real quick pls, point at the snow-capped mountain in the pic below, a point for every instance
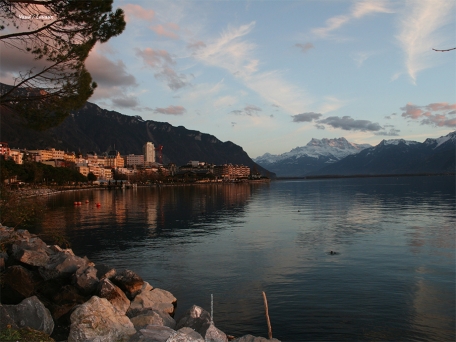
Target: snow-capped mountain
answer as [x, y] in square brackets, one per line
[316, 154]
[399, 156]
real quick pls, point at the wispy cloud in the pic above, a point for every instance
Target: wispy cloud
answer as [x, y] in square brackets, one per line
[420, 32]
[137, 11]
[171, 110]
[304, 47]
[434, 114]
[163, 63]
[233, 52]
[358, 10]
[249, 110]
[168, 30]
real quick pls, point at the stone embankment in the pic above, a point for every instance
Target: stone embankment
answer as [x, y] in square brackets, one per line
[50, 289]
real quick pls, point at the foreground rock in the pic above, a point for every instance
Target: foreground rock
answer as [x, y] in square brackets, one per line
[98, 320]
[31, 313]
[52, 290]
[250, 338]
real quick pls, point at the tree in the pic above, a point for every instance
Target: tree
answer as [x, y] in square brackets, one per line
[91, 177]
[59, 34]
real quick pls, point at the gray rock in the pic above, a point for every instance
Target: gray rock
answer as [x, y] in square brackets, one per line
[97, 320]
[250, 338]
[215, 335]
[156, 333]
[151, 317]
[129, 282]
[20, 280]
[33, 258]
[61, 264]
[31, 313]
[114, 295]
[86, 279]
[105, 271]
[6, 320]
[186, 335]
[156, 299]
[196, 318]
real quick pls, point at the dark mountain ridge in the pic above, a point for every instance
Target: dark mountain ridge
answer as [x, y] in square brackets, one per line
[92, 128]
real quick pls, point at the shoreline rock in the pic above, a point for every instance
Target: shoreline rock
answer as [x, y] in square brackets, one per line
[50, 289]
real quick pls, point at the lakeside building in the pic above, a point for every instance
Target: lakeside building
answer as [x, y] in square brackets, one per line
[134, 160]
[49, 154]
[230, 171]
[16, 155]
[114, 160]
[4, 149]
[149, 153]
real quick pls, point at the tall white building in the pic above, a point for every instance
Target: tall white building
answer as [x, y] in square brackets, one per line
[149, 153]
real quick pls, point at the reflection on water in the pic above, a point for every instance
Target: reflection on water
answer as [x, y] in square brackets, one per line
[392, 278]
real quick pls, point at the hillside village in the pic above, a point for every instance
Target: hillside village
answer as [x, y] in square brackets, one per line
[112, 165]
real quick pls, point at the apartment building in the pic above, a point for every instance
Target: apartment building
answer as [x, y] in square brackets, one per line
[134, 160]
[229, 171]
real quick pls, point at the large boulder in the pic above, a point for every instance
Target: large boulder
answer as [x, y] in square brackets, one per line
[114, 295]
[156, 333]
[152, 317]
[62, 263]
[86, 279]
[250, 338]
[97, 320]
[215, 335]
[129, 282]
[196, 318]
[31, 313]
[155, 299]
[105, 271]
[186, 335]
[18, 284]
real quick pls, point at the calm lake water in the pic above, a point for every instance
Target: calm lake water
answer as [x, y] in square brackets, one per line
[393, 277]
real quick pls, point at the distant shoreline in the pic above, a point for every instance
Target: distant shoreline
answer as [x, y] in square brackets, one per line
[367, 176]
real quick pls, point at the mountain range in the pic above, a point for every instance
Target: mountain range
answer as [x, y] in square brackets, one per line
[338, 157]
[303, 160]
[92, 128]
[399, 156]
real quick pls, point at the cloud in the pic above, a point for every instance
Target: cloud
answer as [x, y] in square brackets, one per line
[391, 133]
[196, 45]
[138, 12]
[171, 110]
[161, 61]
[249, 110]
[125, 102]
[349, 124]
[167, 30]
[305, 47]
[306, 117]
[113, 79]
[358, 10]
[317, 126]
[434, 114]
[420, 31]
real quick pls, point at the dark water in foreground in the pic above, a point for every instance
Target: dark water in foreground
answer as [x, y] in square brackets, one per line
[393, 277]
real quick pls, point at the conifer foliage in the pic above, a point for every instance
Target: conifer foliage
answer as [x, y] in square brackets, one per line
[59, 34]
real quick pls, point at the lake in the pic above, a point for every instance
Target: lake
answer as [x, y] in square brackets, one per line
[392, 277]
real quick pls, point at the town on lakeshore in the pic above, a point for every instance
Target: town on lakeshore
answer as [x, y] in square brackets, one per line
[111, 167]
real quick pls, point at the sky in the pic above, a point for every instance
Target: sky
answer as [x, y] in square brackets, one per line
[271, 75]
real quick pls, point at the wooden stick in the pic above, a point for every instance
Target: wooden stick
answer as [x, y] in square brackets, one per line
[267, 316]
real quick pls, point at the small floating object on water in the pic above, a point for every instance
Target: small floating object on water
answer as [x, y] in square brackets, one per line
[75, 203]
[98, 205]
[333, 253]
[87, 201]
[79, 203]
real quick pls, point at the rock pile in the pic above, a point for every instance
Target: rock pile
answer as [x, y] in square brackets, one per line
[50, 289]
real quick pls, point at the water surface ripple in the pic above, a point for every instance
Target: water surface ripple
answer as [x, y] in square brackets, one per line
[393, 277]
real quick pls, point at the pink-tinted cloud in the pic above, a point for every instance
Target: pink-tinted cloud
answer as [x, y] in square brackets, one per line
[138, 12]
[166, 30]
[171, 110]
[162, 62]
[434, 114]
